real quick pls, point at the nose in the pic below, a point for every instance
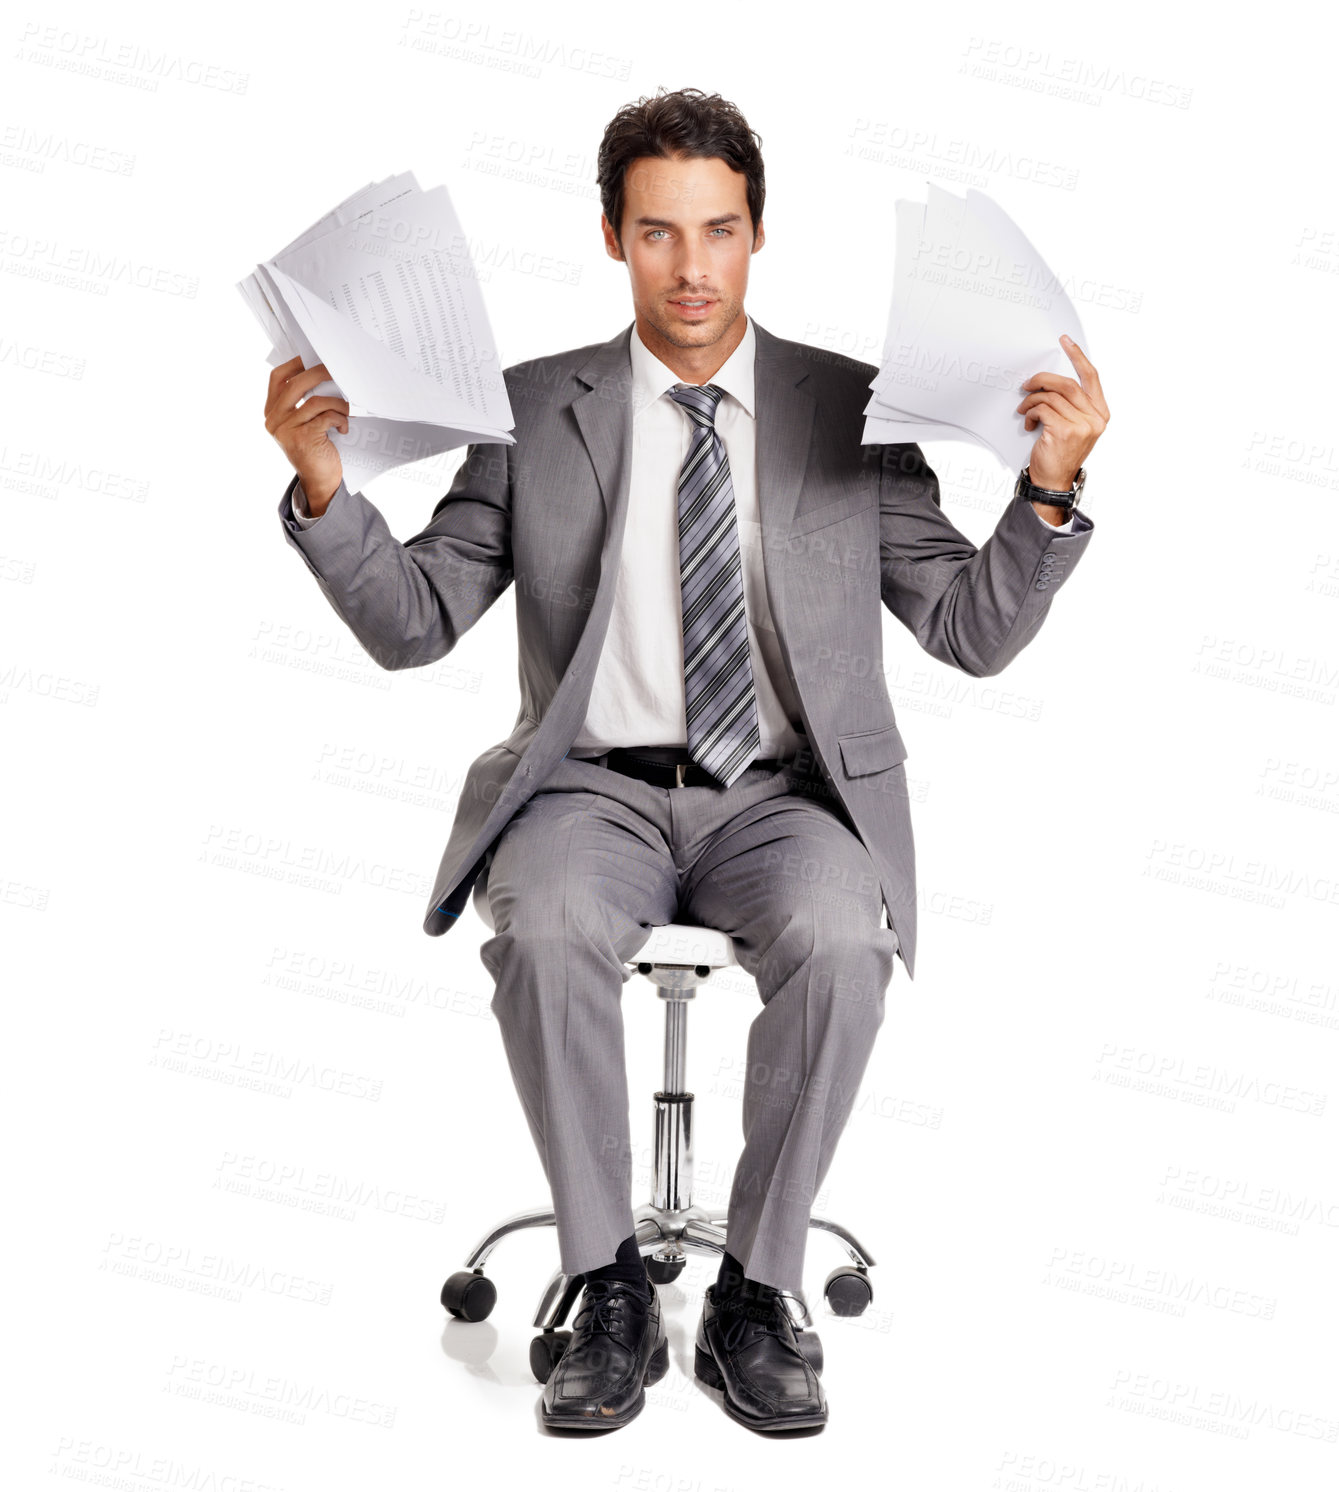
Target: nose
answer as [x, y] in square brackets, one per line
[690, 267]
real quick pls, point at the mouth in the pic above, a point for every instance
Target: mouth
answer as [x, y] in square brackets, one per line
[693, 308]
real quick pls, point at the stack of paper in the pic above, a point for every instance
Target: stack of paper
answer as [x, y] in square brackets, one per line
[975, 313]
[383, 292]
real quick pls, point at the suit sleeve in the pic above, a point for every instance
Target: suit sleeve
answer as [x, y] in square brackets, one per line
[409, 603]
[1067, 527]
[974, 609]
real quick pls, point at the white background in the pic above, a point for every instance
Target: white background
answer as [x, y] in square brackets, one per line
[1094, 1155]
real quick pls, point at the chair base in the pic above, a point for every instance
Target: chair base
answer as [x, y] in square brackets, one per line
[666, 1238]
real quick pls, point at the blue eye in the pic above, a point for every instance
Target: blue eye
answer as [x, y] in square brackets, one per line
[654, 231]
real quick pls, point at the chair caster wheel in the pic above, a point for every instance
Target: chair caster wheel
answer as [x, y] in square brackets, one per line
[812, 1347]
[664, 1271]
[848, 1290]
[469, 1296]
[545, 1351]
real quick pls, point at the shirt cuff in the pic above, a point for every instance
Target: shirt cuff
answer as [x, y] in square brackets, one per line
[302, 513]
[1067, 527]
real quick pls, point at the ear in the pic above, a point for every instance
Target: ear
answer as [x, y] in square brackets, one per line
[610, 242]
[759, 238]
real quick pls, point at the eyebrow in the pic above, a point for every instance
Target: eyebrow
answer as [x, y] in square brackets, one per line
[725, 217]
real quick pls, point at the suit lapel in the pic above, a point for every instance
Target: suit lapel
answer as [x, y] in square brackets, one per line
[785, 420]
[604, 417]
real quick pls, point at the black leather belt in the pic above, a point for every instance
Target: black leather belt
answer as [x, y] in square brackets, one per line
[664, 767]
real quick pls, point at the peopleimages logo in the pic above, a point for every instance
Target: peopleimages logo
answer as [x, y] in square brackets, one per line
[312, 1190]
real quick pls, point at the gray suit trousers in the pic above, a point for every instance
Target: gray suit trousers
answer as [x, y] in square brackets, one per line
[590, 863]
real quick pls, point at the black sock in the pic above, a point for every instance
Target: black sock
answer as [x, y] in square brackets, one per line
[730, 1280]
[734, 1290]
[627, 1266]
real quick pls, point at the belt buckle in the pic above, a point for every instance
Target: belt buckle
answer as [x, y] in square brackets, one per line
[679, 768]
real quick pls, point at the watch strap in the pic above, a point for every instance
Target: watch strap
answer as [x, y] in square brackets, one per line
[1025, 486]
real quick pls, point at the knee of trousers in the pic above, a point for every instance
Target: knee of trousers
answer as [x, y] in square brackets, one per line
[848, 965]
[539, 948]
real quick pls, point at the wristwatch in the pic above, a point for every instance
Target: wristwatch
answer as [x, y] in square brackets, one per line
[1025, 487]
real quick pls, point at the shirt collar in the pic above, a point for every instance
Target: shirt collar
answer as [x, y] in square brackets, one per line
[651, 378]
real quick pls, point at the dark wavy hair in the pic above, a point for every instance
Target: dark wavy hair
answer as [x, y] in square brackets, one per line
[687, 122]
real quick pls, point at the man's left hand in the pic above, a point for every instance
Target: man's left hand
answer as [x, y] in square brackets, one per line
[1071, 415]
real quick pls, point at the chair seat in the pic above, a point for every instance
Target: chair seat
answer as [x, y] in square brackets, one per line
[673, 943]
[683, 943]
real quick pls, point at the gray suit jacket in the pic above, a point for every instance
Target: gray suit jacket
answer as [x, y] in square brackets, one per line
[844, 526]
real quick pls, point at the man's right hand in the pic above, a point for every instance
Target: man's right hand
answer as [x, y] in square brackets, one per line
[301, 431]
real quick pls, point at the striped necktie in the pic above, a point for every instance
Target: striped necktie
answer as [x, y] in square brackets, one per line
[722, 716]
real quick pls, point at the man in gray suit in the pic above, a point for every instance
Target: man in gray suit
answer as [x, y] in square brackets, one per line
[700, 545]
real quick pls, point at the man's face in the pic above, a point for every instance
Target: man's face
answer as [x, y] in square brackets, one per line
[687, 238]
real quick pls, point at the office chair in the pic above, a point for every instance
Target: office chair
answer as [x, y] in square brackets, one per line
[677, 959]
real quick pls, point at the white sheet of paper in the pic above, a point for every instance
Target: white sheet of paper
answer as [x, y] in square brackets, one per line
[374, 446]
[382, 291]
[374, 194]
[402, 276]
[926, 238]
[262, 296]
[956, 357]
[901, 432]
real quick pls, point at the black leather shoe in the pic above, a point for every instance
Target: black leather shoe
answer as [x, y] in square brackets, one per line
[618, 1346]
[756, 1360]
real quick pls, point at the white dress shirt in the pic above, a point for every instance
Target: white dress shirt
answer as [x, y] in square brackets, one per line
[637, 695]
